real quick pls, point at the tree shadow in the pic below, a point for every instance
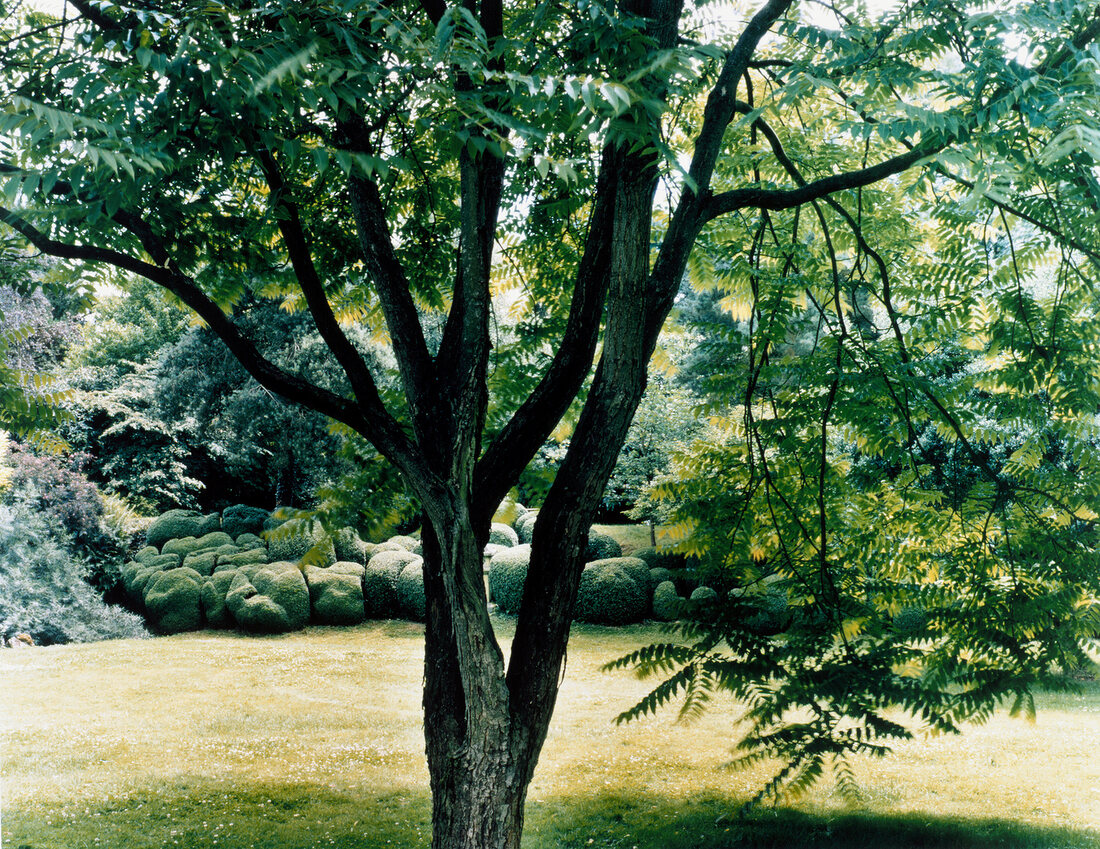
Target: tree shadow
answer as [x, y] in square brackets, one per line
[199, 813]
[617, 821]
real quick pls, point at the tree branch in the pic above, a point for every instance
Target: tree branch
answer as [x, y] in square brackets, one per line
[301, 260]
[776, 199]
[398, 308]
[266, 372]
[534, 421]
[689, 217]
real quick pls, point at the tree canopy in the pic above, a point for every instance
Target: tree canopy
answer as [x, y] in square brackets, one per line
[419, 169]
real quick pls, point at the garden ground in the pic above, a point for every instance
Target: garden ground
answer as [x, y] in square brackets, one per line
[313, 739]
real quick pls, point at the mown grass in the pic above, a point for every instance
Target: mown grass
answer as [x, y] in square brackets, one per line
[313, 739]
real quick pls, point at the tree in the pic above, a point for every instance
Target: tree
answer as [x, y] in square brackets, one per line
[367, 162]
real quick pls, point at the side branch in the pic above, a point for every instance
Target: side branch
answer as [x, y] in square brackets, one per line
[301, 260]
[777, 199]
[395, 295]
[383, 432]
[266, 372]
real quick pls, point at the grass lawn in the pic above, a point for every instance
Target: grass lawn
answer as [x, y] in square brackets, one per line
[313, 739]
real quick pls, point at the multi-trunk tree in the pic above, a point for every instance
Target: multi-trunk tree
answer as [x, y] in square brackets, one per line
[419, 166]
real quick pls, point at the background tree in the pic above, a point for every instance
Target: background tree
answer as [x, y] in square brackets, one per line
[364, 160]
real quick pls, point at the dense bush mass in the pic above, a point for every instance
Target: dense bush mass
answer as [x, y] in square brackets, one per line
[43, 591]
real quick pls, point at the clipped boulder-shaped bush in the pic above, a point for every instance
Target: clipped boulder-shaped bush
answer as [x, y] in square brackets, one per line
[335, 597]
[277, 517]
[658, 575]
[174, 524]
[202, 562]
[601, 547]
[411, 602]
[249, 541]
[380, 582]
[609, 595]
[292, 547]
[233, 559]
[213, 593]
[148, 553]
[173, 601]
[772, 614]
[703, 595]
[507, 575]
[190, 545]
[163, 561]
[346, 567]
[503, 535]
[135, 576]
[634, 567]
[350, 548]
[667, 603]
[242, 519]
[274, 599]
[525, 526]
[407, 542]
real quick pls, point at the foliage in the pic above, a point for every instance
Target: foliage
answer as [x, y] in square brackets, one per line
[43, 587]
[362, 165]
[32, 342]
[897, 494]
[55, 486]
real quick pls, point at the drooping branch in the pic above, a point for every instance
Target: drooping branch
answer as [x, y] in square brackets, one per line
[368, 417]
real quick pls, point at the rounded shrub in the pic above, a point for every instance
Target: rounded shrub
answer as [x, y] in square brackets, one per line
[335, 597]
[249, 541]
[380, 582]
[212, 596]
[667, 603]
[349, 547]
[292, 546]
[242, 519]
[411, 601]
[525, 525]
[507, 576]
[202, 562]
[147, 553]
[407, 542]
[609, 595]
[241, 558]
[175, 524]
[658, 575]
[703, 595]
[274, 599]
[504, 535]
[173, 601]
[601, 547]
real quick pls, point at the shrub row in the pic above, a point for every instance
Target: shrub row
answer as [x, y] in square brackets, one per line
[242, 569]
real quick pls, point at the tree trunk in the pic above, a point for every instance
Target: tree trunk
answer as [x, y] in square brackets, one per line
[478, 767]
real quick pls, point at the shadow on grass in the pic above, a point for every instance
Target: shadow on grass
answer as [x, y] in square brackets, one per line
[611, 821]
[201, 813]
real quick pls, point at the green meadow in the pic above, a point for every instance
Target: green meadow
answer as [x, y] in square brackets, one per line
[313, 739]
